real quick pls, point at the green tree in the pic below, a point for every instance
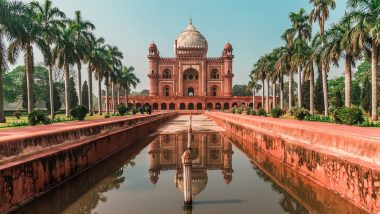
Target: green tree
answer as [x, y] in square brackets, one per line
[31, 33]
[50, 18]
[367, 34]
[305, 94]
[241, 90]
[73, 95]
[320, 13]
[65, 51]
[56, 98]
[365, 96]
[144, 92]
[128, 80]
[85, 94]
[83, 34]
[9, 27]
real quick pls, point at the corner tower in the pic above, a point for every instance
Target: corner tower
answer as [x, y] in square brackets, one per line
[153, 56]
[227, 73]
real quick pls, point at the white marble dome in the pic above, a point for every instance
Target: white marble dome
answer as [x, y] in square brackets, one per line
[191, 38]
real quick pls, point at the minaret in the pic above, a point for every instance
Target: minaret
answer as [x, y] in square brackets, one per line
[153, 56]
[228, 74]
[227, 162]
[154, 153]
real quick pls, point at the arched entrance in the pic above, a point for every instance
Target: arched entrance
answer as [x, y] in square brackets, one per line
[209, 106]
[155, 106]
[226, 106]
[163, 106]
[218, 106]
[190, 106]
[172, 106]
[190, 81]
[182, 106]
[199, 106]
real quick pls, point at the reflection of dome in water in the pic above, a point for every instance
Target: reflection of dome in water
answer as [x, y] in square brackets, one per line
[199, 181]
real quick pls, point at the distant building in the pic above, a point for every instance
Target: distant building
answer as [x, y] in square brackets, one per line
[191, 80]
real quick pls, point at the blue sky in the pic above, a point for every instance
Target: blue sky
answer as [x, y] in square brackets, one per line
[252, 26]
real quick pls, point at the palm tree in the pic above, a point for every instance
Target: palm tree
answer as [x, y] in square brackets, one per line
[114, 58]
[282, 68]
[9, 27]
[260, 74]
[83, 33]
[30, 33]
[95, 48]
[65, 51]
[101, 67]
[128, 79]
[321, 12]
[50, 18]
[365, 13]
[339, 45]
[300, 31]
[255, 87]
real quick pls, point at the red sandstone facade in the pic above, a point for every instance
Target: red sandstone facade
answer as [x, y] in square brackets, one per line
[191, 80]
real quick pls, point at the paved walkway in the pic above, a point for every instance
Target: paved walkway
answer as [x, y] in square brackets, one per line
[200, 123]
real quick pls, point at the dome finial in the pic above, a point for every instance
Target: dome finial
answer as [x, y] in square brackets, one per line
[190, 21]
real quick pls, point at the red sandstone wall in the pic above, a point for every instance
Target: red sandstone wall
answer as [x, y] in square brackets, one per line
[29, 177]
[355, 181]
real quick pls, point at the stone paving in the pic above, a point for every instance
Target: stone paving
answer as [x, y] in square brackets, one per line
[200, 123]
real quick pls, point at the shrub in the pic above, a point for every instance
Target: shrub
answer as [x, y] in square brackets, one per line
[299, 113]
[348, 116]
[233, 110]
[317, 118]
[122, 109]
[17, 114]
[79, 112]
[261, 112]
[36, 117]
[107, 116]
[134, 110]
[239, 110]
[253, 113]
[249, 111]
[276, 112]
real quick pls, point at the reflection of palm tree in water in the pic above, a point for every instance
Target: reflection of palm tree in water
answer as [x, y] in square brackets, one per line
[287, 202]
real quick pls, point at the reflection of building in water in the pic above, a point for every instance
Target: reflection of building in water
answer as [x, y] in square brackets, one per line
[209, 152]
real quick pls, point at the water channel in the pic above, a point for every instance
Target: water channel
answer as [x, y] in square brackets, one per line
[228, 177]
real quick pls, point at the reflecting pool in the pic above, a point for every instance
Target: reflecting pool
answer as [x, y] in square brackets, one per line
[227, 177]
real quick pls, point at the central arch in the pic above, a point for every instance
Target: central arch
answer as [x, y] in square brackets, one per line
[190, 82]
[190, 106]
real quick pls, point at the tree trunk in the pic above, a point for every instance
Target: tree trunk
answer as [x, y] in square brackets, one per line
[29, 77]
[324, 72]
[90, 104]
[267, 97]
[325, 90]
[282, 92]
[290, 89]
[2, 115]
[274, 94]
[254, 99]
[374, 79]
[126, 96]
[100, 96]
[51, 97]
[113, 98]
[312, 90]
[347, 82]
[67, 86]
[118, 95]
[79, 83]
[107, 97]
[262, 93]
[299, 86]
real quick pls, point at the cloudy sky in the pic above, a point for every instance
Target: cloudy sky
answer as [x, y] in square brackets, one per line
[252, 26]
